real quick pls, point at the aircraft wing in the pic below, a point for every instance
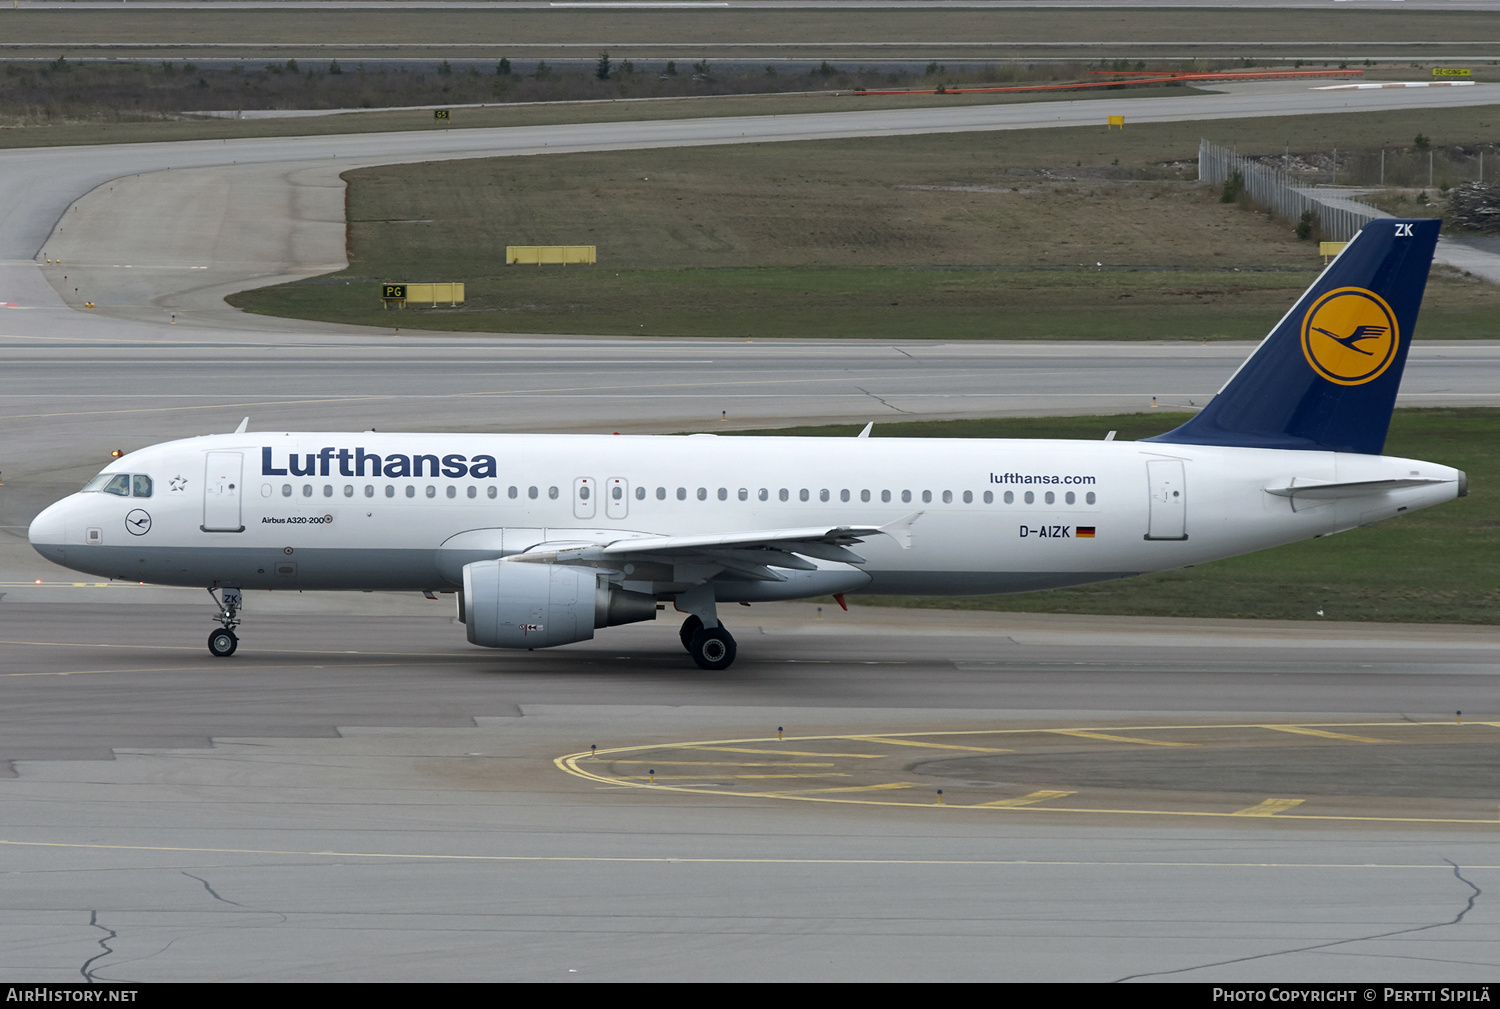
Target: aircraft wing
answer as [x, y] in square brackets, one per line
[751, 553]
[812, 537]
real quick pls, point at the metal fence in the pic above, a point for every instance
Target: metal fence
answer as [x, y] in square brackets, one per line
[1277, 191]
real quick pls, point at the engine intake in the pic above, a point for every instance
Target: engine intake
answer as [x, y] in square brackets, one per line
[517, 604]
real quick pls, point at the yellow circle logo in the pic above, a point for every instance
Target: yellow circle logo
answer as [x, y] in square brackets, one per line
[1350, 336]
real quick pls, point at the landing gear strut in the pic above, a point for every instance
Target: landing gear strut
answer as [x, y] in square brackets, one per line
[223, 642]
[711, 647]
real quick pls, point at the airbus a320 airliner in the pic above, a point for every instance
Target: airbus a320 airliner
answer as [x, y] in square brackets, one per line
[545, 538]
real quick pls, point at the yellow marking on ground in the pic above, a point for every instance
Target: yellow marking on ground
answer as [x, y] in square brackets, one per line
[577, 765]
[789, 753]
[622, 779]
[935, 746]
[885, 787]
[825, 774]
[1268, 807]
[1025, 800]
[1086, 734]
[1303, 730]
[59, 585]
[722, 763]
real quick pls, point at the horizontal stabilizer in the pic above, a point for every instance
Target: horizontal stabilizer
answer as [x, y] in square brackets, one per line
[1355, 488]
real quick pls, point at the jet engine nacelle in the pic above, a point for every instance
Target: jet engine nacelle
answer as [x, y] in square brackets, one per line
[516, 604]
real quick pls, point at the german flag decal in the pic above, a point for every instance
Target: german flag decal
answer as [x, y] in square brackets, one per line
[1085, 532]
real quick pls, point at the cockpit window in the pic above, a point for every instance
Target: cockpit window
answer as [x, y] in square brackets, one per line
[119, 484]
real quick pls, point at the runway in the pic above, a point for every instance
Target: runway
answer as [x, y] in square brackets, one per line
[381, 801]
[359, 795]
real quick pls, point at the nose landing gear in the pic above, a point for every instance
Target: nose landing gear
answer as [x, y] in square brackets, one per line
[223, 642]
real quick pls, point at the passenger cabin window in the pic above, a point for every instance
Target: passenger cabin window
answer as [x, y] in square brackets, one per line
[286, 490]
[390, 490]
[493, 492]
[307, 490]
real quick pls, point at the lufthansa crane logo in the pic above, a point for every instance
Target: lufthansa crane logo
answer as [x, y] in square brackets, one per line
[138, 522]
[1350, 336]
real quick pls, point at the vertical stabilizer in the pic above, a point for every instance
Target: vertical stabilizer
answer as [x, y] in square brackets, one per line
[1327, 375]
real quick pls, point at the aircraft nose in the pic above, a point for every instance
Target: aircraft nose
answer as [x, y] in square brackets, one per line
[48, 531]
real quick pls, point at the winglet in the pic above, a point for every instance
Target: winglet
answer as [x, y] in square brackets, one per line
[866, 432]
[243, 425]
[900, 530]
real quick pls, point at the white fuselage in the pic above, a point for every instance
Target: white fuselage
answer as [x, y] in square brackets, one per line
[318, 511]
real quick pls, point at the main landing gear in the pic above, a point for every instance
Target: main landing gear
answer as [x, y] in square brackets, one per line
[223, 642]
[711, 647]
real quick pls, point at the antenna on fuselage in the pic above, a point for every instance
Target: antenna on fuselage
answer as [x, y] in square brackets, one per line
[866, 432]
[243, 424]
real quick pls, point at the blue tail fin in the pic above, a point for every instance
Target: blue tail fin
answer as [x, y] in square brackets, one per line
[1326, 377]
